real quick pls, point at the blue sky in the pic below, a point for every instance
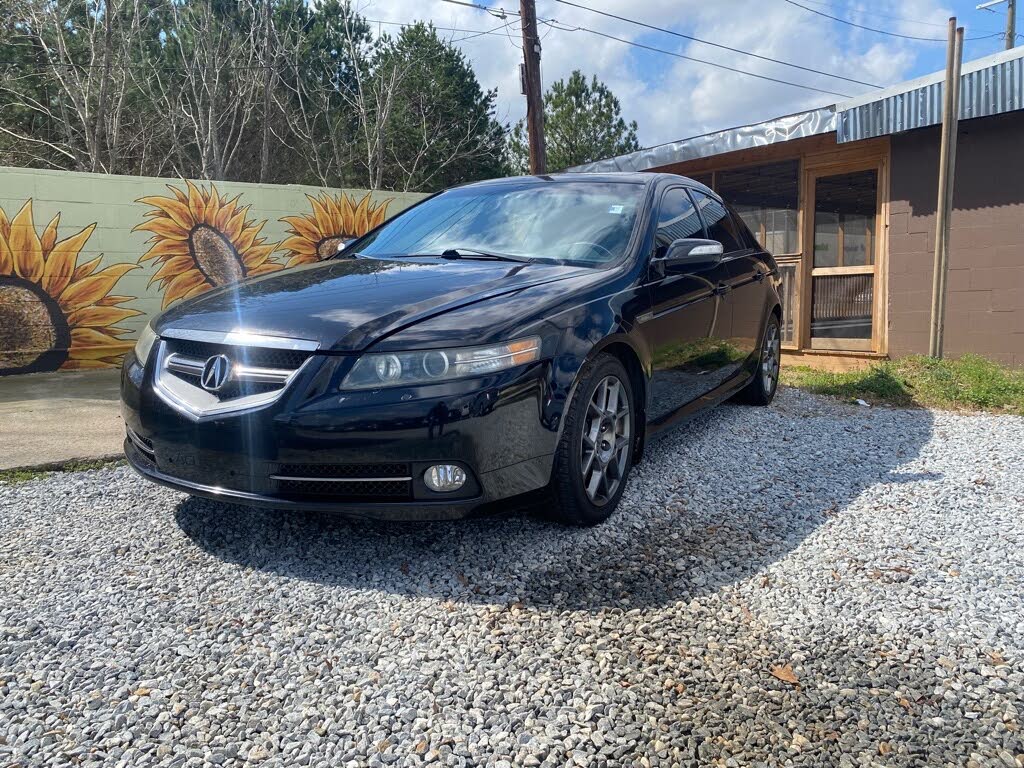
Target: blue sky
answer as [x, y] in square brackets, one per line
[671, 98]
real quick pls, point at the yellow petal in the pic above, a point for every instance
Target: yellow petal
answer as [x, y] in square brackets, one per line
[91, 289]
[111, 301]
[201, 288]
[84, 270]
[174, 209]
[49, 235]
[166, 249]
[5, 225]
[172, 268]
[99, 317]
[298, 245]
[225, 213]
[263, 269]
[360, 218]
[301, 258]
[196, 204]
[6, 259]
[25, 246]
[322, 217]
[182, 197]
[91, 344]
[166, 228]
[60, 265]
[181, 285]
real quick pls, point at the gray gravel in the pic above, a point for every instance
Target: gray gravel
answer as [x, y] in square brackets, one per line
[873, 558]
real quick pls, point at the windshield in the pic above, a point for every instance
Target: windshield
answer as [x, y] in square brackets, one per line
[586, 223]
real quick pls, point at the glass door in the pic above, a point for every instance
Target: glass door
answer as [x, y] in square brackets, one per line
[844, 255]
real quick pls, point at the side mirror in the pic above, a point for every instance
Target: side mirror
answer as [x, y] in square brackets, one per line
[692, 254]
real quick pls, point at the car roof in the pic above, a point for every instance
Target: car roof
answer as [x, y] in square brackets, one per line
[628, 177]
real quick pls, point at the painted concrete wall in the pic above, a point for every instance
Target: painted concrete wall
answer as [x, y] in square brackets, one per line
[86, 259]
[985, 303]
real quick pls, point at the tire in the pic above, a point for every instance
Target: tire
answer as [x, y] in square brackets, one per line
[580, 498]
[762, 387]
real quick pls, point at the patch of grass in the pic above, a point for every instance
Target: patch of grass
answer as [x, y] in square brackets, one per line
[24, 475]
[968, 383]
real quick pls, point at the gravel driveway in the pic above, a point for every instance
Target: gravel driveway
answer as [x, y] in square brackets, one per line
[810, 584]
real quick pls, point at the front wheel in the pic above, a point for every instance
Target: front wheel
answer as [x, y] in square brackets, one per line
[761, 389]
[595, 452]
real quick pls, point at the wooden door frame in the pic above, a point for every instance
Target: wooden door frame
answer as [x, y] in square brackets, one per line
[878, 344]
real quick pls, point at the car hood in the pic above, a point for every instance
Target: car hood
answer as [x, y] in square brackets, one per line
[347, 304]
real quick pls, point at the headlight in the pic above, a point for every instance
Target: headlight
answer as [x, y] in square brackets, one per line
[145, 344]
[404, 368]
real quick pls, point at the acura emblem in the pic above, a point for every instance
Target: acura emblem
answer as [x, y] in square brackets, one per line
[216, 373]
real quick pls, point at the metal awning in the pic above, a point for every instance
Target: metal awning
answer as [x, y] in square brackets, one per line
[989, 86]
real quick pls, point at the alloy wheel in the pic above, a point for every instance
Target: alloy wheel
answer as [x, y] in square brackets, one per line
[604, 449]
[770, 358]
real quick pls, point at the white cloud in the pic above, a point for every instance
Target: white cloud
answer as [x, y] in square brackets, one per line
[671, 98]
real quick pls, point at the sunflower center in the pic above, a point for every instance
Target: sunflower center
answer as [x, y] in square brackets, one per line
[328, 247]
[34, 335]
[215, 256]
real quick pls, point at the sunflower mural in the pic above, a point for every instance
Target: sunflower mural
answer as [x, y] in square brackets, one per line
[54, 312]
[202, 240]
[335, 218]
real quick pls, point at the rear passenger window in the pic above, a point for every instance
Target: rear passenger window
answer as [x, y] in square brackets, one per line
[720, 225]
[677, 219]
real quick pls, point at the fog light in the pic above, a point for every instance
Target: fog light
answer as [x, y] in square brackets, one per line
[444, 478]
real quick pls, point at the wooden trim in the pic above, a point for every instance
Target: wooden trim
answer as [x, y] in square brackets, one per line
[865, 269]
[827, 360]
[851, 345]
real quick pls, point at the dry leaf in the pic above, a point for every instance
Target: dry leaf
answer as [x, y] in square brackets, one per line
[462, 579]
[884, 748]
[875, 574]
[785, 673]
[420, 747]
[954, 572]
[905, 703]
[142, 691]
[997, 659]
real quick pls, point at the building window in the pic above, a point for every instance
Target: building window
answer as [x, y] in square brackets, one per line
[767, 198]
[844, 219]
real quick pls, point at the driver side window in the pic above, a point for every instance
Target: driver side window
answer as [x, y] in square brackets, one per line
[677, 218]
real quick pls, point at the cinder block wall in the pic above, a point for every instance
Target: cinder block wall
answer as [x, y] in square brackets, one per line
[985, 306]
[86, 259]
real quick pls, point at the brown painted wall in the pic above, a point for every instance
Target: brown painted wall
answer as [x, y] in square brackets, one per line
[985, 306]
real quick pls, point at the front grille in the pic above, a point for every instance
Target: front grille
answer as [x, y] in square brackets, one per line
[256, 357]
[345, 482]
[358, 490]
[314, 471]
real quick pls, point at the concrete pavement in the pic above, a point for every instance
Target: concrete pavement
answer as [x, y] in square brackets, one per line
[50, 418]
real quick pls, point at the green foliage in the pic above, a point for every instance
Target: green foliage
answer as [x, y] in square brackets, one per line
[582, 123]
[282, 91]
[24, 475]
[968, 383]
[440, 128]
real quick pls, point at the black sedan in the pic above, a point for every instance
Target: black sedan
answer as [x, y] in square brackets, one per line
[495, 339]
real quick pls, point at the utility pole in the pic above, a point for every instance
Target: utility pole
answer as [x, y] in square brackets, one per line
[944, 204]
[534, 99]
[1011, 23]
[1011, 18]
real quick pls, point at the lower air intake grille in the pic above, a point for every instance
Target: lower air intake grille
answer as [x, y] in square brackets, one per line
[345, 482]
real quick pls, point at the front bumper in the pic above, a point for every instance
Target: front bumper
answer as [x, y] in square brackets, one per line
[493, 427]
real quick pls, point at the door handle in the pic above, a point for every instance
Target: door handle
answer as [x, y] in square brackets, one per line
[721, 289]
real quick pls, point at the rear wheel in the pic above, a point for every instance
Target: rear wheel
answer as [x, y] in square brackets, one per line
[595, 452]
[761, 389]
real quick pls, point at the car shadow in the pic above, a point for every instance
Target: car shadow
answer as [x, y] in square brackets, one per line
[710, 505]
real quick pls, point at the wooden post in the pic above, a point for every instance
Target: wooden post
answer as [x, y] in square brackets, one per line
[944, 204]
[534, 98]
[1011, 23]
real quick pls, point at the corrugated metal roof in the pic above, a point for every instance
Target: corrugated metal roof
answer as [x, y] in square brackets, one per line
[988, 86]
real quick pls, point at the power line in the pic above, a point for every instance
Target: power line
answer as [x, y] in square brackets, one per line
[654, 49]
[716, 45]
[884, 31]
[919, 22]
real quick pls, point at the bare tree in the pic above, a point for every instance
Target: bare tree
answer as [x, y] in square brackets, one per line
[73, 86]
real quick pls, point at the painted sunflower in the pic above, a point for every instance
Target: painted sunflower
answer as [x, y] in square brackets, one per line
[316, 236]
[54, 312]
[202, 241]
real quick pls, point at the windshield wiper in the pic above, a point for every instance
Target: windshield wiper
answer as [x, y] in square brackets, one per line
[470, 253]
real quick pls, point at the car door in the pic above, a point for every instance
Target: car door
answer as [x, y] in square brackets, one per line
[683, 327]
[750, 272]
[734, 342]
